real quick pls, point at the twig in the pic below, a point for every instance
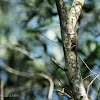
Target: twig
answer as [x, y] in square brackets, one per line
[55, 75]
[21, 88]
[16, 72]
[49, 39]
[63, 93]
[51, 85]
[57, 64]
[2, 89]
[25, 52]
[91, 83]
[89, 76]
[88, 67]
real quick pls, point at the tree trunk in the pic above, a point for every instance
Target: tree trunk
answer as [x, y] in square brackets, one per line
[67, 25]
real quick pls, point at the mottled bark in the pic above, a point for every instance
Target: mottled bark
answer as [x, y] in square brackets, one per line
[67, 25]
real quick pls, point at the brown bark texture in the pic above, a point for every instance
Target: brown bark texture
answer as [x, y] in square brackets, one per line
[67, 25]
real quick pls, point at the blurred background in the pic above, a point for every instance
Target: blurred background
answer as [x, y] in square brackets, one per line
[30, 37]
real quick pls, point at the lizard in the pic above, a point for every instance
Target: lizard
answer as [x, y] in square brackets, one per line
[74, 44]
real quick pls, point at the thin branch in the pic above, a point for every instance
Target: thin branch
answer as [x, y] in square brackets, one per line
[51, 85]
[25, 52]
[16, 72]
[2, 89]
[24, 74]
[31, 57]
[88, 67]
[56, 74]
[89, 76]
[21, 88]
[57, 64]
[63, 93]
[41, 32]
[49, 39]
[91, 83]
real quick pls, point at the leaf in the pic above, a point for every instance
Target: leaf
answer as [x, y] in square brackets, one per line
[32, 31]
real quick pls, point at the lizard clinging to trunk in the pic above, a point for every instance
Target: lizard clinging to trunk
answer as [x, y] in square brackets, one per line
[74, 44]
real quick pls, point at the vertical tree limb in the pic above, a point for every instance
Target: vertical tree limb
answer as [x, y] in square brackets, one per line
[67, 25]
[2, 89]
